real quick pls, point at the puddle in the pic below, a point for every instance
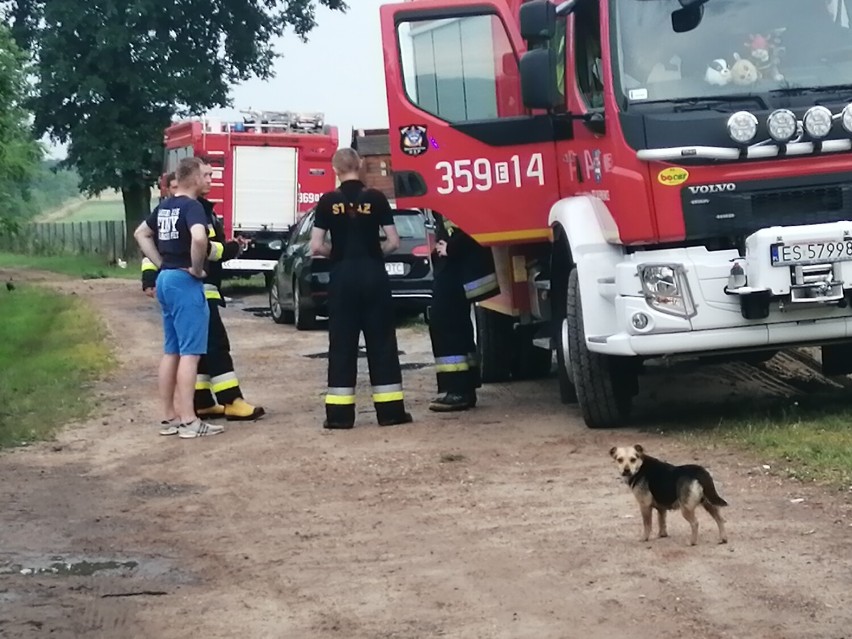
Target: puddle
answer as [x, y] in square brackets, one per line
[81, 566]
[413, 366]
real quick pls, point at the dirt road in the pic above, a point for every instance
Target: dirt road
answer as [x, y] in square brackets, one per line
[507, 522]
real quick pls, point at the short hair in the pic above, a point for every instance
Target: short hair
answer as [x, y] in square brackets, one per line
[346, 161]
[171, 176]
[186, 168]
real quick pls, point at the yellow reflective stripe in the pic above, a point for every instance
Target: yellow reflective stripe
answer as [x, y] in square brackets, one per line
[480, 286]
[395, 396]
[211, 292]
[224, 382]
[202, 382]
[211, 232]
[148, 265]
[452, 368]
[217, 249]
[340, 400]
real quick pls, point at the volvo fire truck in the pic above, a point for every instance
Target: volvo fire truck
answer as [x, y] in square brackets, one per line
[268, 170]
[656, 178]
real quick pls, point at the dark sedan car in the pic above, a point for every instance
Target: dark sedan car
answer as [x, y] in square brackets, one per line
[298, 290]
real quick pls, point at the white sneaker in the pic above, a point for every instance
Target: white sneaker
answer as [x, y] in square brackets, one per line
[169, 426]
[198, 428]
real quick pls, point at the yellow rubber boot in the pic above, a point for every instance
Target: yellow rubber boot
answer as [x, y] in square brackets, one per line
[241, 411]
[214, 411]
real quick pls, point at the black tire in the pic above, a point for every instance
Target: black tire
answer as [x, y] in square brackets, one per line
[605, 385]
[276, 311]
[304, 319]
[559, 269]
[529, 361]
[494, 334]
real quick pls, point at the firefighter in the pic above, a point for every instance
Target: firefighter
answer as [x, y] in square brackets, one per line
[464, 274]
[217, 389]
[359, 295]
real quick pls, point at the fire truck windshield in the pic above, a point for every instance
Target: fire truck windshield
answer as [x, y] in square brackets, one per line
[732, 47]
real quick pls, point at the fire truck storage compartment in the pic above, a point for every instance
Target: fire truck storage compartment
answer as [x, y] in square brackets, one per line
[265, 188]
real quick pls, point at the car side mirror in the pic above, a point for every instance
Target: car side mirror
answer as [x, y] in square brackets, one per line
[537, 20]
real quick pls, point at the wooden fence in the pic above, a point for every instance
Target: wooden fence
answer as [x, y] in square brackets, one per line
[106, 238]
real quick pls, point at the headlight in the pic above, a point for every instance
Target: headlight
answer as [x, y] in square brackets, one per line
[846, 118]
[782, 125]
[817, 122]
[742, 127]
[666, 289]
[276, 245]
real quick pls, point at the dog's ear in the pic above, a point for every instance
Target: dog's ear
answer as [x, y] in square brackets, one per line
[612, 452]
[638, 448]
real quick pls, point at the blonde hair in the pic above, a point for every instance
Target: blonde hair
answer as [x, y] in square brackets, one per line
[346, 161]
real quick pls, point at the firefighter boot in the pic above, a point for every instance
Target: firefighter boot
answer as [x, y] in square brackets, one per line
[453, 402]
[210, 412]
[241, 411]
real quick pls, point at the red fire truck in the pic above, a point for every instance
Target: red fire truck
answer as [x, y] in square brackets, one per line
[656, 178]
[268, 171]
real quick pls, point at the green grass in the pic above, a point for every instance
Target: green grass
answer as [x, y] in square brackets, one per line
[52, 346]
[809, 439]
[97, 211]
[85, 266]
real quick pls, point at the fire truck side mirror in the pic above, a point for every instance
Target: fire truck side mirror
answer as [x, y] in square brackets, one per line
[539, 88]
[537, 21]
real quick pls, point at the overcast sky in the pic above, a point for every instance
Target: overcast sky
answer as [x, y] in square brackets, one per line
[339, 72]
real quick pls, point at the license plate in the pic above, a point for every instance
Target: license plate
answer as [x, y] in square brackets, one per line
[395, 268]
[810, 252]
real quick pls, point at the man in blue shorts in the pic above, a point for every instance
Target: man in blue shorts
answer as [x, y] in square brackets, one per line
[174, 238]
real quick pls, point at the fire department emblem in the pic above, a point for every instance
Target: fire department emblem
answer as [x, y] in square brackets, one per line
[413, 140]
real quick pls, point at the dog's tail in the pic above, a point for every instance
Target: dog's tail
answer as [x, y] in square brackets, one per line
[709, 488]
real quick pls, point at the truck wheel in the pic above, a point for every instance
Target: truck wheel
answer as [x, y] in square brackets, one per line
[529, 361]
[493, 333]
[567, 392]
[305, 320]
[605, 385]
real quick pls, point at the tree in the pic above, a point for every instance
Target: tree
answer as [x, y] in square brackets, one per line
[113, 73]
[19, 151]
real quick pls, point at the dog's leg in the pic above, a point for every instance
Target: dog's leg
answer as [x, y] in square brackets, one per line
[661, 522]
[689, 515]
[720, 521]
[646, 521]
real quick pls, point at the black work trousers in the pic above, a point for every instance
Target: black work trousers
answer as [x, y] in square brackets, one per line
[451, 331]
[359, 300]
[216, 381]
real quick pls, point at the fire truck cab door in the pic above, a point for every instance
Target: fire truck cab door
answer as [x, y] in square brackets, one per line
[462, 143]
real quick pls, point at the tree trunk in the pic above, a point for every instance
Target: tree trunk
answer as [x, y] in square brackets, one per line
[137, 206]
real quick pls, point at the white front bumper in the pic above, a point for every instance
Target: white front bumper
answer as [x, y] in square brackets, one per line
[718, 323]
[249, 265]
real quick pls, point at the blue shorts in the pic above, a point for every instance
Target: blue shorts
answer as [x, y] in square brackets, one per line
[186, 316]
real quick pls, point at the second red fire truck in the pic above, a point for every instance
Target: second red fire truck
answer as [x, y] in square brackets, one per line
[268, 170]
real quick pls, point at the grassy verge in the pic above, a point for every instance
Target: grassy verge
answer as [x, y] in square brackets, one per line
[85, 266]
[51, 346]
[809, 439]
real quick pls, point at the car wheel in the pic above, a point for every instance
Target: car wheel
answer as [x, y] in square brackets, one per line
[304, 318]
[279, 315]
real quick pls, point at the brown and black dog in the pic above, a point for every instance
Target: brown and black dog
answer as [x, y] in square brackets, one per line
[660, 486]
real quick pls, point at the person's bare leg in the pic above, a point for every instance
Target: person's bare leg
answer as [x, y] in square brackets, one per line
[185, 389]
[167, 378]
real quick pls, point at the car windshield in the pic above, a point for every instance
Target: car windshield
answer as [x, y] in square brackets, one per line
[737, 47]
[410, 226]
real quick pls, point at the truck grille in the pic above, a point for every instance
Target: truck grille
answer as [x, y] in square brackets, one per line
[829, 198]
[753, 205]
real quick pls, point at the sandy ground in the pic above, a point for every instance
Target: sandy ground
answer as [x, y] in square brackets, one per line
[508, 521]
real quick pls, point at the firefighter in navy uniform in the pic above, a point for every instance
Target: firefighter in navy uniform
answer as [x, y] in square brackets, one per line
[217, 389]
[359, 295]
[464, 274]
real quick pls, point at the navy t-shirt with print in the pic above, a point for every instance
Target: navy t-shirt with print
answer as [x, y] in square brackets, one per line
[171, 221]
